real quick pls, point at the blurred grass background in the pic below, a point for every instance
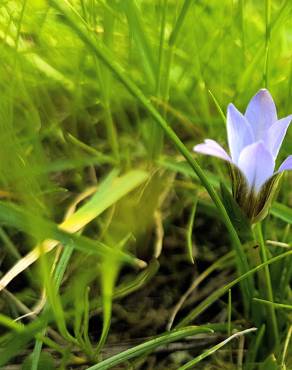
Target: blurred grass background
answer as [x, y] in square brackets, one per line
[70, 129]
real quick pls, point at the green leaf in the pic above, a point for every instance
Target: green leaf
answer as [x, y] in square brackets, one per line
[179, 22]
[149, 346]
[190, 231]
[109, 271]
[254, 347]
[46, 362]
[210, 351]
[269, 364]
[111, 190]
[237, 217]
[218, 106]
[281, 211]
[14, 216]
[274, 304]
[135, 19]
[135, 284]
[18, 338]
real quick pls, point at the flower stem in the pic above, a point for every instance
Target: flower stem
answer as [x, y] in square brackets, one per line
[272, 323]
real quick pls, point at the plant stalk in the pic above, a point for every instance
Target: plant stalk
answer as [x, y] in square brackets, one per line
[272, 323]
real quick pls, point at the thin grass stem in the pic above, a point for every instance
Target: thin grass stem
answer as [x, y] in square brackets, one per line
[258, 234]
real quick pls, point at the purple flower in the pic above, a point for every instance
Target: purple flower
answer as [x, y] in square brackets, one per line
[254, 141]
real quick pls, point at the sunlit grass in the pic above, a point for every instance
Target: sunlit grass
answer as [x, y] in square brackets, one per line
[113, 233]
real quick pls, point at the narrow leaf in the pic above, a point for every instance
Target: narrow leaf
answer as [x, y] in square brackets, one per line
[149, 346]
[210, 351]
[190, 231]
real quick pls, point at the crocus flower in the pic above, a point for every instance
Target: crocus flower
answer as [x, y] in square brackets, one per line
[254, 140]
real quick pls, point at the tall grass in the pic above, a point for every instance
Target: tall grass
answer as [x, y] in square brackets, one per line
[103, 203]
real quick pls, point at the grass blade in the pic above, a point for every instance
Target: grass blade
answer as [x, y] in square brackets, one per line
[267, 282]
[178, 25]
[190, 231]
[110, 191]
[210, 351]
[149, 346]
[274, 304]
[15, 217]
[281, 211]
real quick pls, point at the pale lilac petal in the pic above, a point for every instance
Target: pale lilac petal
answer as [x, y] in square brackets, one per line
[286, 165]
[211, 147]
[261, 113]
[275, 135]
[257, 164]
[239, 132]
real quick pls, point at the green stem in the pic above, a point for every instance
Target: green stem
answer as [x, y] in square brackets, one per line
[176, 29]
[273, 324]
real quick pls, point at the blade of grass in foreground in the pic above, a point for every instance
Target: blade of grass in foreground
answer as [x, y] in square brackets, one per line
[178, 25]
[149, 346]
[286, 346]
[19, 337]
[109, 270]
[136, 25]
[110, 190]
[103, 54]
[210, 351]
[255, 346]
[143, 278]
[267, 285]
[54, 286]
[283, 212]
[274, 304]
[16, 217]
[190, 231]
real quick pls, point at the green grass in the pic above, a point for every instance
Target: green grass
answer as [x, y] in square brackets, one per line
[107, 214]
